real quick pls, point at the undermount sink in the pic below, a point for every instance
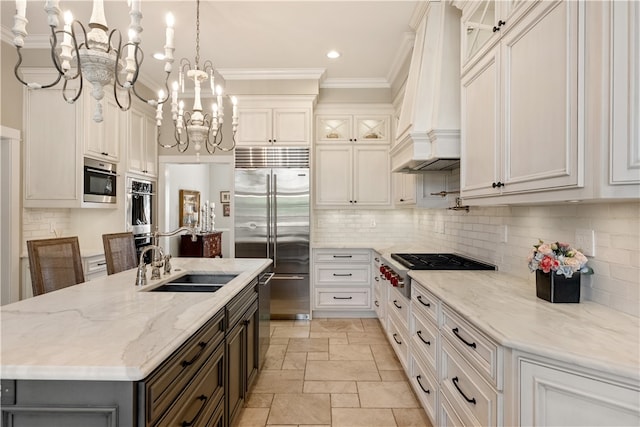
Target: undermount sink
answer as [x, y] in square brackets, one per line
[196, 282]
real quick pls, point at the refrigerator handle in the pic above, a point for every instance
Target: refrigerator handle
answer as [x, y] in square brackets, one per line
[268, 216]
[275, 220]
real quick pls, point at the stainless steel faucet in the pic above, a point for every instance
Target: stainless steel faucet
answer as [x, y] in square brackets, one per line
[141, 277]
[190, 230]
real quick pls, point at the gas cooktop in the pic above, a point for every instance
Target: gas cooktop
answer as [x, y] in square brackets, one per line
[440, 262]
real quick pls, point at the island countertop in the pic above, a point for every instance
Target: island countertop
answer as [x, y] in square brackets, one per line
[109, 329]
[506, 308]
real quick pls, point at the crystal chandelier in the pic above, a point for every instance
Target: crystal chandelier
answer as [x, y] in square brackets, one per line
[97, 56]
[196, 126]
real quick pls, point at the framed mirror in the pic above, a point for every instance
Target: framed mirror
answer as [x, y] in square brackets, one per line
[189, 208]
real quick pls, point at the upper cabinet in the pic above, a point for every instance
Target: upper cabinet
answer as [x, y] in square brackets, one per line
[142, 141]
[53, 132]
[274, 121]
[102, 140]
[550, 111]
[353, 128]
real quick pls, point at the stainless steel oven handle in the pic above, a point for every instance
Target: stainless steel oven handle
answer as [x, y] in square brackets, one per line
[101, 172]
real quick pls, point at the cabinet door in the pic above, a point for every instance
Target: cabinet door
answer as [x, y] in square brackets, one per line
[557, 397]
[371, 129]
[102, 140]
[404, 189]
[333, 128]
[541, 93]
[477, 27]
[480, 148]
[291, 126]
[624, 167]
[333, 175]
[372, 176]
[52, 168]
[234, 391]
[252, 322]
[255, 126]
[150, 154]
[137, 125]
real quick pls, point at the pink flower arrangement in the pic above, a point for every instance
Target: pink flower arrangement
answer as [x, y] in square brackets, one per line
[558, 257]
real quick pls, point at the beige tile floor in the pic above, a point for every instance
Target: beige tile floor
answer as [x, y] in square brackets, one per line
[331, 372]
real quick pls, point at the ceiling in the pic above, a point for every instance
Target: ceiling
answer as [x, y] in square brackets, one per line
[249, 38]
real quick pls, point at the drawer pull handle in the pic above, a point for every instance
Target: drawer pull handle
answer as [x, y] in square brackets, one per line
[342, 297]
[203, 399]
[419, 333]
[343, 256]
[100, 264]
[455, 380]
[394, 303]
[342, 274]
[186, 363]
[470, 344]
[396, 339]
[426, 304]
[421, 386]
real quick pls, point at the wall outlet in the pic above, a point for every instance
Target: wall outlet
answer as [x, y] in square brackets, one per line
[586, 241]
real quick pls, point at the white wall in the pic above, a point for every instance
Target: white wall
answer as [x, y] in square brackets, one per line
[478, 233]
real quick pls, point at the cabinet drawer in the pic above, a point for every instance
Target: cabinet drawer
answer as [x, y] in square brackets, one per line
[202, 398]
[347, 274]
[424, 339]
[471, 396]
[167, 382]
[240, 303]
[398, 339]
[425, 386]
[399, 305]
[342, 298]
[448, 416]
[346, 256]
[478, 349]
[95, 266]
[425, 301]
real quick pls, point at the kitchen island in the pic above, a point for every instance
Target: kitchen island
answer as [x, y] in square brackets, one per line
[95, 352]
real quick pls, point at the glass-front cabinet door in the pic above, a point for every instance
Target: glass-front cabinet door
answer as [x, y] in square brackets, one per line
[477, 27]
[370, 129]
[333, 128]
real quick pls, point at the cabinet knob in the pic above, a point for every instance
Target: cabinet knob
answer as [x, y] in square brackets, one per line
[402, 200]
[497, 184]
[501, 23]
[496, 29]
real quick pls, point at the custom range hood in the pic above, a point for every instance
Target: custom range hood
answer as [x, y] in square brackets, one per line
[428, 133]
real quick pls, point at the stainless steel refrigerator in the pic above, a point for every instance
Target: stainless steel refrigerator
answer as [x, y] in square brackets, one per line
[271, 216]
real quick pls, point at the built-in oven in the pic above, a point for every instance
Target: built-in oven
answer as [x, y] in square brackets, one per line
[100, 181]
[139, 211]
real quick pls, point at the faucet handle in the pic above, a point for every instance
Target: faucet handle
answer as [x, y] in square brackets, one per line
[167, 264]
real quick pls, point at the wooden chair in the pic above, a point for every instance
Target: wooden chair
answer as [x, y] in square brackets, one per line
[54, 264]
[119, 252]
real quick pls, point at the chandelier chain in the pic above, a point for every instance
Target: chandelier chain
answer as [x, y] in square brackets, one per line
[197, 34]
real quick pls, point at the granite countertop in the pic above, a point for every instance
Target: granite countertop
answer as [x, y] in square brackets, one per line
[506, 308]
[108, 328]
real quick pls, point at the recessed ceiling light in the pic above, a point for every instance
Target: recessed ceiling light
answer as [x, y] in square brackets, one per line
[333, 54]
[159, 56]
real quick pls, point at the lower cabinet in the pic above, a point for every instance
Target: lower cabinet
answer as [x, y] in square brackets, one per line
[554, 395]
[203, 383]
[241, 349]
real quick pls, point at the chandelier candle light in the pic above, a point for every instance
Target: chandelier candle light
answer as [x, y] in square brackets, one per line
[201, 128]
[98, 56]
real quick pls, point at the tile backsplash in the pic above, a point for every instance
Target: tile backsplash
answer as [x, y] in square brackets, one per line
[44, 224]
[504, 236]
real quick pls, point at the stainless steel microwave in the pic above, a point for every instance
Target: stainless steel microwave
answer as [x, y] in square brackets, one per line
[100, 179]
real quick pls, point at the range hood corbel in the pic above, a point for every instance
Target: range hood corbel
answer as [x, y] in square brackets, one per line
[428, 132]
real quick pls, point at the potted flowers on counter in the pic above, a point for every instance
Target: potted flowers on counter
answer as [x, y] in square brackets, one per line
[558, 269]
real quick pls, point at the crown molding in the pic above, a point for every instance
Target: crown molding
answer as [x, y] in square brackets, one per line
[356, 83]
[32, 41]
[271, 73]
[404, 52]
[419, 11]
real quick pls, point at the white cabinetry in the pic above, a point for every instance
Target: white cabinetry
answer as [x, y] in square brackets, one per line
[368, 129]
[398, 324]
[102, 140]
[553, 395]
[404, 189]
[380, 290]
[352, 175]
[522, 121]
[52, 146]
[142, 140]
[342, 281]
[281, 121]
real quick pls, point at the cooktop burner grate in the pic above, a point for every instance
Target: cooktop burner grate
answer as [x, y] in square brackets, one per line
[440, 262]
